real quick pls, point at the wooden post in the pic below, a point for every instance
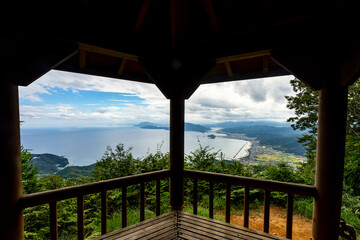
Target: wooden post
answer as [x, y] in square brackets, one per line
[11, 218]
[330, 160]
[80, 218]
[53, 221]
[177, 111]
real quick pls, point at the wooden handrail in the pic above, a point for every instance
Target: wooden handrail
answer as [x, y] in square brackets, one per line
[52, 196]
[276, 186]
[246, 182]
[35, 199]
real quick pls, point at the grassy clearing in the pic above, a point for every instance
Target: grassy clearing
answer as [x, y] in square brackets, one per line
[279, 158]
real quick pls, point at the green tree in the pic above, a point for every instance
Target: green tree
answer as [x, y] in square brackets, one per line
[305, 106]
[203, 158]
[118, 163]
[29, 173]
[154, 161]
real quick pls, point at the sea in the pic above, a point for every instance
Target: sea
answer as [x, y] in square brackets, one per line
[85, 146]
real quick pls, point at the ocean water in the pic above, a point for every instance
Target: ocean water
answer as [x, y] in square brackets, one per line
[85, 146]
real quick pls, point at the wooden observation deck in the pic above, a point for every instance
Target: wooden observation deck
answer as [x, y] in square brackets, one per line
[179, 45]
[183, 225]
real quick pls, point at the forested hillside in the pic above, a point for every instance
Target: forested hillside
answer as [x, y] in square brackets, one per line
[76, 171]
[49, 163]
[279, 138]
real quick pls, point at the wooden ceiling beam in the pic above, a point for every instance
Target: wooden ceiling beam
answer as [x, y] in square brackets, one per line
[108, 52]
[30, 57]
[178, 20]
[350, 68]
[212, 16]
[142, 15]
[243, 56]
[177, 80]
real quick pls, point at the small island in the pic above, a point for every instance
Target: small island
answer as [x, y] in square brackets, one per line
[187, 126]
[211, 136]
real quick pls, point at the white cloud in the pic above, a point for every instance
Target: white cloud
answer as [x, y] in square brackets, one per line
[261, 99]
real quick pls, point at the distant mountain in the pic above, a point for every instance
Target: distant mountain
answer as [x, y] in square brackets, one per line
[230, 124]
[49, 163]
[147, 124]
[261, 130]
[154, 127]
[188, 126]
[279, 138]
[76, 171]
[195, 127]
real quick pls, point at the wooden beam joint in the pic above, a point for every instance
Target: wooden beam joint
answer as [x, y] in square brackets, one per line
[228, 69]
[122, 67]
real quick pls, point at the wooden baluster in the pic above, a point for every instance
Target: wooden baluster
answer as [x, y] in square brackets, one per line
[195, 197]
[228, 198]
[124, 207]
[211, 200]
[289, 215]
[246, 207]
[80, 217]
[103, 213]
[157, 208]
[266, 211]
[142, 202]
[53, 221]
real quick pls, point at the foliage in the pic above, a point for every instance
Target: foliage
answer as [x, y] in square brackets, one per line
[202, 158]
[29, 178]
[118, 163]
[305, 105]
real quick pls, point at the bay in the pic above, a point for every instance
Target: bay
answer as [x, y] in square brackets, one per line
[87, 145]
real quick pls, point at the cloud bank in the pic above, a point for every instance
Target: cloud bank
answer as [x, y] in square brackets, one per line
[58, 99]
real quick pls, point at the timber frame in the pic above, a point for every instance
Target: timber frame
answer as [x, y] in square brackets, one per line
[178, 45]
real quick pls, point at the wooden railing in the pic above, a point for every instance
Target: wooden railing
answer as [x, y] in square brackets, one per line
[290, 188]
[53, 196]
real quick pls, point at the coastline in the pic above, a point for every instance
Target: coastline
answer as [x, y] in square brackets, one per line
[247, 151]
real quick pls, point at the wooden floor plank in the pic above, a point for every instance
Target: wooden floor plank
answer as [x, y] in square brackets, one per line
[151, 231]
[156, 231]
[134, 228]
[166, 237]
[205, 233]
[234, 232]
[187, 237]
[182, 225]
[230, 226]
[211, 228]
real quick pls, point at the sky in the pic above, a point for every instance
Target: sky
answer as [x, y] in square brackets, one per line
[62, 99]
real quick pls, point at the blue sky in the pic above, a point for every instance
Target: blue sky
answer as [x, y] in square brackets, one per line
[61, 99]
